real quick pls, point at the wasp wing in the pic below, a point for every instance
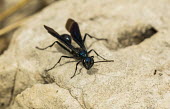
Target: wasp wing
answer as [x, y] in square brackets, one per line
[74, 30]
[62, 39]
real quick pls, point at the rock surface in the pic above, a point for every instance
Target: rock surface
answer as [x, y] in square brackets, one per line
[139, 42]
[58, 98]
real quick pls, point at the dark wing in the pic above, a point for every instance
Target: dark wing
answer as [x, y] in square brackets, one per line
[62, 39]
[74, 30]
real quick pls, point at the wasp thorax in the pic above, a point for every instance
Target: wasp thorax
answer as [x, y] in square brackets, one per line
[83, 54]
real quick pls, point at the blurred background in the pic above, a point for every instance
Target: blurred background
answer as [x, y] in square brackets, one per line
[13, 13]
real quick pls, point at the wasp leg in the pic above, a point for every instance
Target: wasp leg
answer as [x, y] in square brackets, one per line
[86, 34]
[58, 62]
[53, 45]
[75, 69]
[96, 54]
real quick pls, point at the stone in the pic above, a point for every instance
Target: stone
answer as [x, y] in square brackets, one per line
[139, 44]
[58, 98]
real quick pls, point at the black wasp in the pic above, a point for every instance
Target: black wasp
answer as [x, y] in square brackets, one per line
[80, 54]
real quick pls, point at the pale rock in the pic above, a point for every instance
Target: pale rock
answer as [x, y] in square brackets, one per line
[139, 78]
